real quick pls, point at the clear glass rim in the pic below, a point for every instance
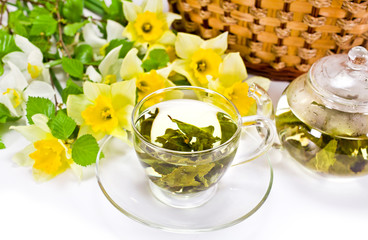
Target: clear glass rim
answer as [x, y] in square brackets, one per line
[161, 149]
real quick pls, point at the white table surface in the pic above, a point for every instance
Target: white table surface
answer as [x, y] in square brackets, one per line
[299, 206]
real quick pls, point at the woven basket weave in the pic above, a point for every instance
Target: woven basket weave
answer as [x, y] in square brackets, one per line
[279, 39]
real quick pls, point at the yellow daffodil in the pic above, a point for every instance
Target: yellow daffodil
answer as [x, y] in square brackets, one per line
[200, 60]
[148, 24]
[29, 61]
[47, 155]
[232, 82]
[109, 68]
[103, 109]
[93, 37]
[146, 82]
[15, 90]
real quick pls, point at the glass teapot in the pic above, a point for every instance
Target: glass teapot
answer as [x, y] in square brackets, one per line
[322, 116]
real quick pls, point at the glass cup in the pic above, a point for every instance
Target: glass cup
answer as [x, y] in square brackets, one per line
[183, 178]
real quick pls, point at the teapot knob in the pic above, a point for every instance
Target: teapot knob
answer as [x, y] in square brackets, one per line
[358, 58]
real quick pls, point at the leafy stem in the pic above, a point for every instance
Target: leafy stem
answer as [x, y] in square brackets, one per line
[60, 31]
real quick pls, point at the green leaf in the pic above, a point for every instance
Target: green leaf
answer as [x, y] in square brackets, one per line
[146, 124]
[228, 127]
[61, 126]
[44, 25]
[73, 66]
[72, 10]
[115, 11]
[42, 42]
[326, 157]
[19, 23]
[37, 105]
[85, 150]
[187, 176]
[5, 115]
[71, 88]
[204, 136]
[127, 45]
[2, 145]
[84, 53]
[174, 140]
[72, 29]
[7, 44]
[158, 58]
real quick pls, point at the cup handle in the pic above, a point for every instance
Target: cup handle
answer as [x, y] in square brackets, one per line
[263, 100]
[262, 121]
[267, 134]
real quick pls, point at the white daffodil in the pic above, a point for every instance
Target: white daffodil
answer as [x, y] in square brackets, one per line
[47, 155]
[29, 61]
[109, 68]
[200, 60]
[93, 37]
[148, 23]
[15, 90]
[146, 82]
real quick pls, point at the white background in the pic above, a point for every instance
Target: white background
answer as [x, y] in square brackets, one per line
[300, 206]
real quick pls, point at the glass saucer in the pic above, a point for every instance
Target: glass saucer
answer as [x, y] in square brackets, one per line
[241, 192]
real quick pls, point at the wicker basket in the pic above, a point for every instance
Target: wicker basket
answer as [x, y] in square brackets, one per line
[279, 39]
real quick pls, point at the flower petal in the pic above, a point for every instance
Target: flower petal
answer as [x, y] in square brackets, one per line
[40, 121]
[165, 72]
[131, 10]
[182, 67]
[93, 36]
[93, 74]
[131, 66]
[35, 57]
[232, 70]
[109, 64]
[75, 105]
[171, 17]
[26, 46]
[155, 6]
[120, 134]
[167, 38]
[17, 58]
[31, 132]
[114, 30]
[22, 158]
[39, 89]
[13, 79]
[186, 44]
[218, 44]
[124, 90]
[93, 90]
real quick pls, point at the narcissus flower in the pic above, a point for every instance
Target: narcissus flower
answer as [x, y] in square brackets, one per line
[109, 68]
[103, 109]
[200, 60]
[146, 82]
[29, 61]
[47, 155]
[148, 23]
[15, 90]
[93, 37]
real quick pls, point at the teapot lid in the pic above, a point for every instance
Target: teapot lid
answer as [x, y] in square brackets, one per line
[342, 80]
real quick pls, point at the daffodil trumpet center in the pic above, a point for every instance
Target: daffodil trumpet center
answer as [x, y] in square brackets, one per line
[205, 65]
[149, 27]
[148, 83]
[49, 156]
[101, 116]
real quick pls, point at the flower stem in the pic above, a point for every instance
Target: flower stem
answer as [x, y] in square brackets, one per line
[55, 82]
[94, 6]
[53, 63]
